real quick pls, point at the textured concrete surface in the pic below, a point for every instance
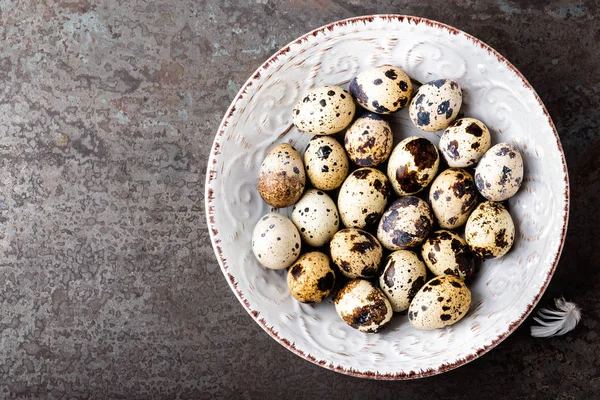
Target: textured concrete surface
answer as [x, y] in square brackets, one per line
[109, 286]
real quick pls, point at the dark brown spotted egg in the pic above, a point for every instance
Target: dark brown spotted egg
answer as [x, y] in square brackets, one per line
[435, 105]
[276, 242]
[356, 253]
[324, 111]
[311, 278]
[499, 174]
[316, 217]
[453, 197]
[442, 301]
[281, 177]
[402, 277]
[406, 223]
[363, 198]
[413, 165]
[363, 306]
[464, 142]
[446, 253]
[382, 90]
[326, 162]
[490, 230]
[369, 140]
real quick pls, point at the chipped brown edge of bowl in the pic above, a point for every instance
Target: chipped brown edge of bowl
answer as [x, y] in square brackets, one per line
[209, 198]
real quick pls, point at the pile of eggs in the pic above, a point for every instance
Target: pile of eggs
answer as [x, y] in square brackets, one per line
[378, 218]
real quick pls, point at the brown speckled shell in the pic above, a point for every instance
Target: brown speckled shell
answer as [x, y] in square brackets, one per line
[363, 306]
[357, 253]
[324, 111]
[490, 230]
[453, 197]
[406, 223]
[310, 279]
[402, 277]
[281, 177]
[369, 140]
[413, 165]
[326, 162]
[464, 142]
[382, 90]
[446, 253]
[442, 301]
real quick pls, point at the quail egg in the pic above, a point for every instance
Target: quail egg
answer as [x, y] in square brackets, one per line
[356, 253]
[324, 111]
[499, 174]
[435, 105]
[326, 162]
[442, 301]
[453, 196]
[275, 241]
[406, 223]
[490, 231]
[382, 90]
[363, 306]
[369, 140]
[281, 177]
[311, 278]
[464, 142]
[316, 217]
[363, 197]
[413, 165]
[402, 277]
[446, 253]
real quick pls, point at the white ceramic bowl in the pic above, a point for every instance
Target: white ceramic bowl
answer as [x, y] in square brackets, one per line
[505, 291]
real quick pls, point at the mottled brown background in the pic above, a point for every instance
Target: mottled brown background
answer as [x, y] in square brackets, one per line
[108, 284]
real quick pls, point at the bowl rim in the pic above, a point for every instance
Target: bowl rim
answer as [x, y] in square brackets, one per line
[209, 199]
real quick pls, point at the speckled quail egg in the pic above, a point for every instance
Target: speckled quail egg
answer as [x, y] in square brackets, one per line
[490, 231]
[446, 253]
[276, 241]
[311, 278]
[281, 177]
[464, 142]
[402, 277]
[435, 105]
[326, 162]
[453, 196]
[369, 140]
[412, 165]
[363, 306]
[356, 253]
[316, 217]
[406, 223]
[382, 90]
[363, 197]
[499, 174]
[324, 111]
[442, 301]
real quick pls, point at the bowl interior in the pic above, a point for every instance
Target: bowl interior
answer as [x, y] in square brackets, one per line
[505, 290]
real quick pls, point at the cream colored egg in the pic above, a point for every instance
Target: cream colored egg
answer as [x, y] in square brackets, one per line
[326, 162]
[382, 90]
[363, 197]
[402, 277]
[324, 111]
[363, 306]
[442, 301]
[311, 278]
[276, 242]
[316, 217]
[464, 142]
[435, 105]
[369, 140]
[406, 223]
[490, 230]
[281, 177]
[453, 197]
[357, 253]
[446, 253]
[413, 165]
[499, 174]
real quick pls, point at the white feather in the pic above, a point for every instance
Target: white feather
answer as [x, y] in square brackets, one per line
[556, 322]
